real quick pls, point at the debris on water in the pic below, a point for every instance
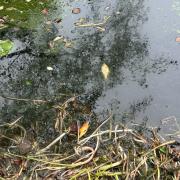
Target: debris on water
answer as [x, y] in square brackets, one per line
[76, 10]
[57, 20]
[58, 38]
[2, 23]
[11, 9]
[82, 23]
[178, 39]
[51, 44]
[45, 11]
[68, 44]
[48, 22]
[49, 68]
[100, 29]
[5, 47]
[105, 70]
[107, 8]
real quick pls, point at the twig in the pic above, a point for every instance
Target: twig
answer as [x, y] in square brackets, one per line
[164, 144]
[91, 157]
[78, 24]
[26, 100]
[84, 141]
[52, 143]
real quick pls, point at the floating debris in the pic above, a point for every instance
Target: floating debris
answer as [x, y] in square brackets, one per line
[76, 10]
[83, 129]
[45, 11]
[178, 39]
[49, 68]
[105, 70]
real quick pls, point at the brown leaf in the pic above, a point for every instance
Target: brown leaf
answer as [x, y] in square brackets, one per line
[17, 161]
[73, 128]
[83, 129]
[57, 20]
[178, 39]
[105, 70]
[76, 10]
[45, 11]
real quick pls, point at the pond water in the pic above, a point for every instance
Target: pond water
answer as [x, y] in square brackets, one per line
[137, 42]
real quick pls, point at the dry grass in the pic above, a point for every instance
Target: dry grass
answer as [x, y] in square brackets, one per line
[115, 152]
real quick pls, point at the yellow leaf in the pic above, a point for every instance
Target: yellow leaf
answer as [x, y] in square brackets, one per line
[83, 129]
[105, 70]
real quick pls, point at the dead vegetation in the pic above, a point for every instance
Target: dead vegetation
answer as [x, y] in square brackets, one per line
[108, 152]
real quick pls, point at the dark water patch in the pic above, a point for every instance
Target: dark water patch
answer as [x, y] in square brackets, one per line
[143, 81]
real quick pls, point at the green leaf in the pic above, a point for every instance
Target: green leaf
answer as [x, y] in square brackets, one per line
[5, 47]
[28, 82]
[163, 149]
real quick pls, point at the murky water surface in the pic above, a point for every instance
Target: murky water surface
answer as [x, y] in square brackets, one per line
[137, 43]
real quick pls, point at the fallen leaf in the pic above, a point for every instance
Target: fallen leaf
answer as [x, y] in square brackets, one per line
[51, 44]
[100, 29]
[45, 11]
[73, 128]
[2, 21]
[17, 161]
[49, 68]
[5, 47]
[48, 22]
[76, 10]
[68, 44]
[178, 39]
[57, 20]
[28, 82]
[11, 9]
[83, 129]
[58, 38]
[105, 71]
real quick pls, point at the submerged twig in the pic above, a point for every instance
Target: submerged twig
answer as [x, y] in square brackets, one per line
[79, 24]
[25, 100]
[51, 144]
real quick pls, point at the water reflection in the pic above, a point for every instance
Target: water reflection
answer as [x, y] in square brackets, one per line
[77, 70]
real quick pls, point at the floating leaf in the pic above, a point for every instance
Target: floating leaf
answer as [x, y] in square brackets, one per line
[5, 47]
[105, 70]
[28, 82]
[100, 29]
[57, 20]
[45, 11]
[76, 10]
[178, 39]
[58, 38]
[49, 68]
[11, 9]
[83, 129]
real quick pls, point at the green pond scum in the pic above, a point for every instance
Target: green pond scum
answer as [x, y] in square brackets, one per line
[5, 47]
[22, 13]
